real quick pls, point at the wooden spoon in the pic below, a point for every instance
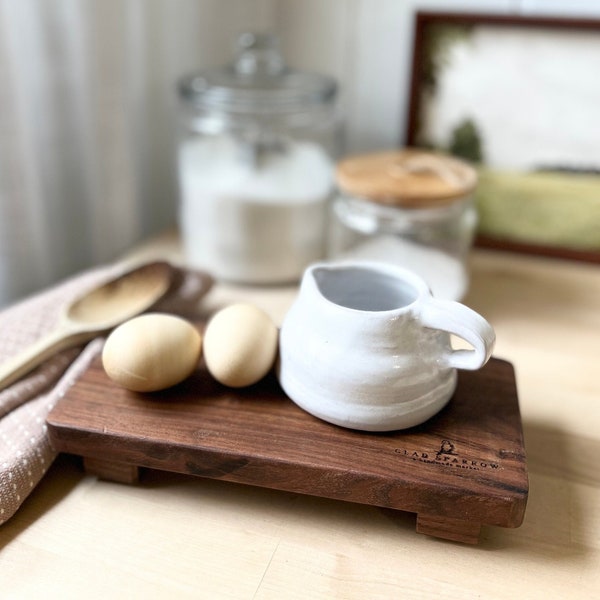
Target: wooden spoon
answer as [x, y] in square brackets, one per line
[95, 312]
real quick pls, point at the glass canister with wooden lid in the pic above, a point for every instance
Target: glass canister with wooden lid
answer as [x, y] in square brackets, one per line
[411, 207]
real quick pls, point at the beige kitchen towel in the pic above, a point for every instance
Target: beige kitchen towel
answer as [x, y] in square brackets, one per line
[25, 452]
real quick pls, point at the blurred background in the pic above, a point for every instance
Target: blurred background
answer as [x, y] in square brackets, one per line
[88, 106]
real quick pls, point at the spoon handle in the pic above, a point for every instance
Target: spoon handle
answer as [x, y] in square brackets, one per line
[61, 339]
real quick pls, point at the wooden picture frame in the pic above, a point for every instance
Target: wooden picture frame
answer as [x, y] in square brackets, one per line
[519, 97]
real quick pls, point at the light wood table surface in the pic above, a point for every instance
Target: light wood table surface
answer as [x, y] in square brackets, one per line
[173, 536]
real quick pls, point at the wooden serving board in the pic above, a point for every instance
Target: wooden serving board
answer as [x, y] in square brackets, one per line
[464, 468]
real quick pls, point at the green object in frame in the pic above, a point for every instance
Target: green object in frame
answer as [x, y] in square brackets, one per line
[550, 208]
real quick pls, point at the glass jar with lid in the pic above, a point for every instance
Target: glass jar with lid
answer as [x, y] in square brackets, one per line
[256, 165]
[410, 207]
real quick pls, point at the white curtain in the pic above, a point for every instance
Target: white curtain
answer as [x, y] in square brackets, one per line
[88, 124]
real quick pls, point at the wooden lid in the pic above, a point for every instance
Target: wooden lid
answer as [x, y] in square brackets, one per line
[411, 178]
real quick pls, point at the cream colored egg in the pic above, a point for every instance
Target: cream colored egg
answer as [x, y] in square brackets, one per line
[240, 345]
[152, 352]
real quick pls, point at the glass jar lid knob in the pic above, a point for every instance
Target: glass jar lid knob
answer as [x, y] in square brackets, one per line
[258, 53]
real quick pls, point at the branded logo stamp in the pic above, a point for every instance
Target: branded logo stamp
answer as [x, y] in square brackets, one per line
[447, 455]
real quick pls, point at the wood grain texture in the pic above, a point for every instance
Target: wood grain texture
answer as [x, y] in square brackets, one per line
[467, 464]
[456, 530]
[112, 470]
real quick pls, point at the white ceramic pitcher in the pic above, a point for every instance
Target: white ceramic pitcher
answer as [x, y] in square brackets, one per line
[366, 346]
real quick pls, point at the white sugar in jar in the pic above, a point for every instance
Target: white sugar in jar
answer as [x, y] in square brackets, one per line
[256, 166]
[259, 223]
[410, 207]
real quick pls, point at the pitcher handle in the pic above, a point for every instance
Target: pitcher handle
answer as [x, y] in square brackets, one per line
[460, 320]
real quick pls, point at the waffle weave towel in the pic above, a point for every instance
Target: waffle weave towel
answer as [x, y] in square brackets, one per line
[25, 452]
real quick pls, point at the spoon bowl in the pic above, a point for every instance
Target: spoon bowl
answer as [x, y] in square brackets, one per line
[97, 311]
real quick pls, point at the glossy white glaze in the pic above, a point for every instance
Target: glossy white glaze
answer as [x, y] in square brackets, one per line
[366, 346]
